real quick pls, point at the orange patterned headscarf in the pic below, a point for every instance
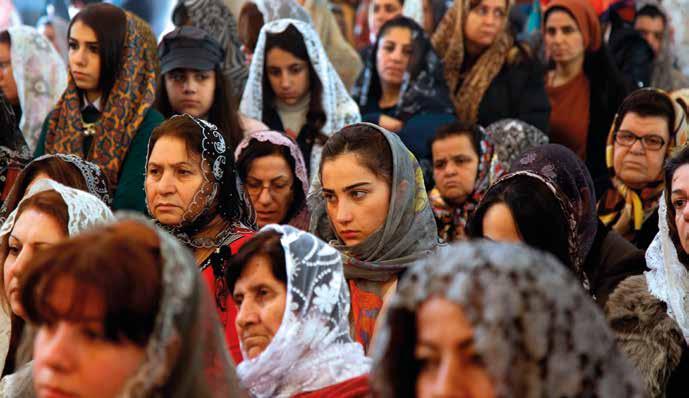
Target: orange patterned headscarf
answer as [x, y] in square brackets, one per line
[130, 99]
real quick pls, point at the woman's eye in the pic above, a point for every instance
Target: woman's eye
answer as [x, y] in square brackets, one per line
[94, 49]
[73, 46]
[678, 203]
[153, 172]
[202, 76]
[13, 249]
[329, 198]
[358, 194]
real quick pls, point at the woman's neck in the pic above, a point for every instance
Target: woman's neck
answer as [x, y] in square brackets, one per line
[390, 95]
[93, 95]
[213, 229]
[566, 71]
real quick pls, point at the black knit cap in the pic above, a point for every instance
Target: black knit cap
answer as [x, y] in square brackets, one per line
[188, 47]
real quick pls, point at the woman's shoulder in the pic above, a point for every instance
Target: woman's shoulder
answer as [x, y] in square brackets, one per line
[357, 387]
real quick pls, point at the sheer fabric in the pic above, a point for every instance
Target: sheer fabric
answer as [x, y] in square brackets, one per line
[41, 77]
[312, 348]
[537, 332]
[340, 110]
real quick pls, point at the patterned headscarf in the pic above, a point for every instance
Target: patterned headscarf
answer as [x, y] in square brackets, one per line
[423, 90]
[130, 99]
[41, 78]
[312, 348]
[567, 178]
[621, 207]
[96, 182]
[13, 148]
[213, 198]
[300, 218]
[535, 329]
[214, 17]
[466, 91]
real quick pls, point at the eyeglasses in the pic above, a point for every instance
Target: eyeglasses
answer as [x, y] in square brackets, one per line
[650, 142]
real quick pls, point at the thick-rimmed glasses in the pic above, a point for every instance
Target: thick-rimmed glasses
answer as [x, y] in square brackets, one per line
[650, 142]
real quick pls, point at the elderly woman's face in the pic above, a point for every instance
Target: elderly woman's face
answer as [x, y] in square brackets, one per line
[261, 299]
[484, 23]
[640, 149]
[679, 197]
[73, 357]
[269, 183]
[449, 365]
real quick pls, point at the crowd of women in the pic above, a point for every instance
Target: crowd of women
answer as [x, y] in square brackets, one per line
[266, 206]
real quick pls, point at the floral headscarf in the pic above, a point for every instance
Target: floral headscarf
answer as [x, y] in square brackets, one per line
[537, 332]
[41, 78]
[621, 207]
[127, 104]
[300, 218]
[312, 348]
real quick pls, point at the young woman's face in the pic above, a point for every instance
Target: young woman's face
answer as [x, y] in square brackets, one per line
[288, 76]
[449, 365]
[455, 164]
[637, 165]
[499, 224]
[191, 91]
[269, 182]
[485, 22]
[84, 57]
[261, 300]
[173, 176]
[33, 231]
[563, 39]
[73, 358]
[357, 200]
[382, 11]
[394, 52]
[8, 85]
[679, 197]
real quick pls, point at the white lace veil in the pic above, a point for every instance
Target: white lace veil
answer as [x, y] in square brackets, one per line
[312, 348]
[340, 109]
[667, 278]
[272, 10]
[41, 78]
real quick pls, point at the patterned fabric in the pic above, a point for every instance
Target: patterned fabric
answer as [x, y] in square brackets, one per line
[207, 202]
[61, 27]
[301, 218]
[130, 99]
[423, 90]
[41, 78]
[272, 10]
[452, 220]
[312, 349]
[537, 332]
[340, 110]
[409, 232]
[414, 9]
[216, 19]
[567, 178]
[625, 209]
[512, 137]
[681, 99]
[468, 89]
[13, 149]
[95, 180]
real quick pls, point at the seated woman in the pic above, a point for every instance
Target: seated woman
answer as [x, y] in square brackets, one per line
[641, 138]
[32, 77]
[585, 88]
[372, 206]
[191, 81]
[105, 116]
[274, 173]
[490, 77]
[49, 213]
[192, 190]
[68, 170]
[467, 159]
[14, 153]
[649, 312]
[547, 201]
[294, 88]
[482, 319]
[293, 318]
[402, 87]
[215, 17]
[121, 326]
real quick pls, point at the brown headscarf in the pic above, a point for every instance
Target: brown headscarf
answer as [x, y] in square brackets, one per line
[130, 99]
[467, 91]
[585, 16]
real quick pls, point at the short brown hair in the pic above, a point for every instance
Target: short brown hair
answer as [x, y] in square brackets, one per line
[249, 25]
[122, 262]
[264, 243]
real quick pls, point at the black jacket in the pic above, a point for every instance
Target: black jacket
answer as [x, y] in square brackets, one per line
[518, 92]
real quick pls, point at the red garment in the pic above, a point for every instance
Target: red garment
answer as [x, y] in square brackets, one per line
[352, 388]
[570, 114]
[365, 309]
[228, 314]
